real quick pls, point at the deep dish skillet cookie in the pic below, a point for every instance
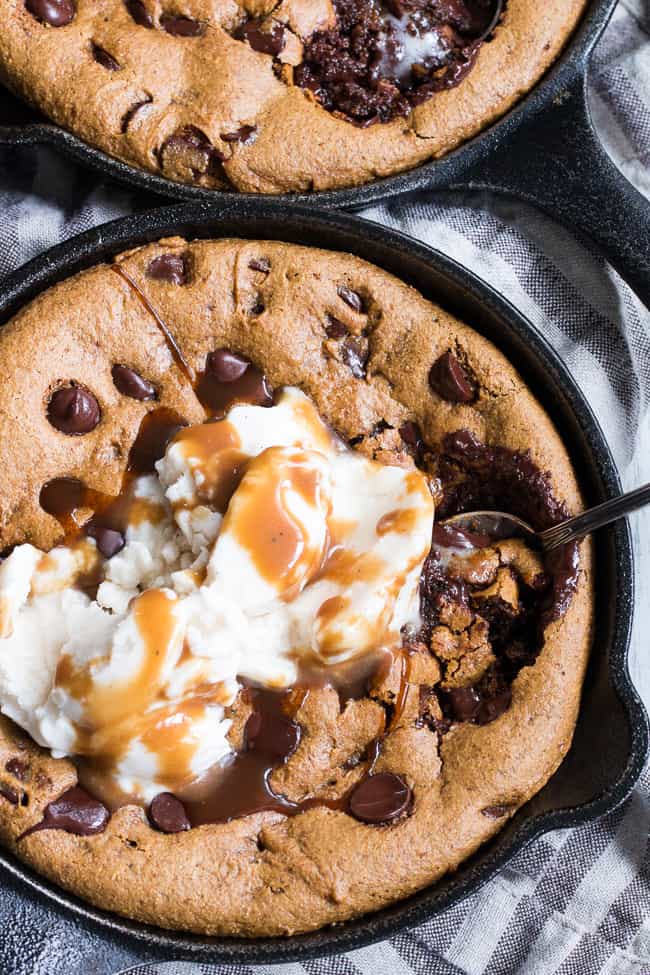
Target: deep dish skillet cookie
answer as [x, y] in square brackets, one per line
[358, 779]
[273, 96]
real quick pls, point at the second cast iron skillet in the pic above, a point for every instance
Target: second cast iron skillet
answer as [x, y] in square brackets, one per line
[544, 151]
[611, 739]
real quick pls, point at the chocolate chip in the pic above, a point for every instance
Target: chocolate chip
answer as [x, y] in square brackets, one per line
[380, 798]
[334, 329]
[351, 298]
[272, 734]
[190, 149]
[63, 495]
[75, 812]
[130, 383]
[448, 378]
[130, 114]
[258, 307]
[167, 813]
[229, 378]
[109, 542]
[265, 41]
[493, 707]
[55, 13]
[261, 265]
[464, 702]
[411, 434]
[168, 267]
[181, 26]
[139, 13]
[10, 794]
[73, 410]
[226, 366]
[104, 58]
[243, 134]
[496, 812]
[355, 356]
[18, 768]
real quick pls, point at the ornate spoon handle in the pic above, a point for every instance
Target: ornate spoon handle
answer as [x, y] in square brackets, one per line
[588, 521]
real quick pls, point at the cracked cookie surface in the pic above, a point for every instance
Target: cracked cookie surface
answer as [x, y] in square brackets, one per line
[464, 724]
[272, 96]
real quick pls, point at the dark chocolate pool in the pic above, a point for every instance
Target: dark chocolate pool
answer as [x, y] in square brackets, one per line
[383, 57]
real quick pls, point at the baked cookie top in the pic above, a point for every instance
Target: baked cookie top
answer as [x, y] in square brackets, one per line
[347, 785]
[270, 97]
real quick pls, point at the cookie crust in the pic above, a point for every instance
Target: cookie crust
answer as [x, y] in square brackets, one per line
[266, 874]
[216, 85]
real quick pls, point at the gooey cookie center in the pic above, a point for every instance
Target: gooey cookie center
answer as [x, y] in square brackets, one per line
[261, 547]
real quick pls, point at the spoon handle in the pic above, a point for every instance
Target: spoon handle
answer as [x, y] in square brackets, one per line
[588, 521]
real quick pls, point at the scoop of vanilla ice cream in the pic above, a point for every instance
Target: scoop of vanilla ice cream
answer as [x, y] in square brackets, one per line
[260, 541]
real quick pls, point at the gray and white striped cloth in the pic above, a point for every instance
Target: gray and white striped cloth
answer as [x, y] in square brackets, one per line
[575, 901]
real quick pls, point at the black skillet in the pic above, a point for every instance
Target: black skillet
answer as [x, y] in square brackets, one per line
[607, 755]
[544, 151]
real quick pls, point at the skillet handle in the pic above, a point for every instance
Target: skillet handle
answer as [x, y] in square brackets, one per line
[555, 161]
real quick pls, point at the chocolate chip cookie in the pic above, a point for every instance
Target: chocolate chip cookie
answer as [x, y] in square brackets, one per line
[357, 781]
[273, 96]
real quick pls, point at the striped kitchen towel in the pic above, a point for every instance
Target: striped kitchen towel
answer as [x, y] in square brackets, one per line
[575, 902]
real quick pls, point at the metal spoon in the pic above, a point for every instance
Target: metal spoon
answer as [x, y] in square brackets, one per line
[500, 525]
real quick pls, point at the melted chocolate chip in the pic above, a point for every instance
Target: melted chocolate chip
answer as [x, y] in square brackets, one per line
[104, 58]
[260, 264]
[481, 703]
[62, 495]
[496, 812]
[493, 707]
[265, 41]
[334, 329]
[190, 149]
[156, 430]
[226, 366]
[380, 798]
[73, 410]
[10, 794]
[18, 768]
[243, 134]
[351, 298]
[167, 813]
[168, 267]
[130, 114]
[448, 379]
[355, 356]
[74, 812]
[109, 542]
[463, 703]
[130, 383]
[412, 435]
[54, 13]
[273, 734]
[139, 13]
[181, 26]
[225, 382]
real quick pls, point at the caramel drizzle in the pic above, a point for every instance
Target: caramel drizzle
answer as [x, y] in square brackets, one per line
[170, 341]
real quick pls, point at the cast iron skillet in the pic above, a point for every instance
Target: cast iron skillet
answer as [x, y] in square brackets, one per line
[544, 151]
[607, 756]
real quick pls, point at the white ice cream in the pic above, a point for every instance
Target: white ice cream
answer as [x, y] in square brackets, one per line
[261, 542]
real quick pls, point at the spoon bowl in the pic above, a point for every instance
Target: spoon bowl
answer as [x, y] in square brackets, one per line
[478, 528]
